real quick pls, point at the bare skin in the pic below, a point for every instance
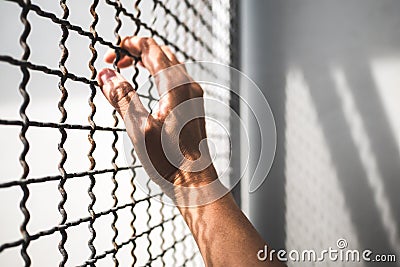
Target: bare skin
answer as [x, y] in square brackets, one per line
[223, 233]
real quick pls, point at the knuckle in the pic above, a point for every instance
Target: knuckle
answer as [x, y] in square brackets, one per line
[125, 39]
[146, 42]
[150, 41]
[120, 95]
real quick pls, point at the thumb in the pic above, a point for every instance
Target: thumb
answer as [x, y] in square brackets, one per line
[121, 94]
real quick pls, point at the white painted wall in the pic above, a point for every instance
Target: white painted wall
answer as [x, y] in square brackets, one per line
[330, 70]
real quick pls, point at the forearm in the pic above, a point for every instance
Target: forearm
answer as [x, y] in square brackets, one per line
[224, 235]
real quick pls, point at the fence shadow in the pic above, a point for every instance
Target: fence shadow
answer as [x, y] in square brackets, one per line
[351, 36]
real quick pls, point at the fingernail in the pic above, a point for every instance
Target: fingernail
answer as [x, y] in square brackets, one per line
[106, 75]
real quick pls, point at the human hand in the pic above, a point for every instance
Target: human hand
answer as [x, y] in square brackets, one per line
[170, 143]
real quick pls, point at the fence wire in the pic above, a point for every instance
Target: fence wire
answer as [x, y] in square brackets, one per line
[150, 233]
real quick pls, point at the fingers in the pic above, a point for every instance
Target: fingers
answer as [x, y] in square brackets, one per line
[121, 95]
[110, 56]
[154, 57]
[124, 61]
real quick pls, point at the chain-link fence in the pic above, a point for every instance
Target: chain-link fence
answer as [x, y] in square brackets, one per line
[68, 195]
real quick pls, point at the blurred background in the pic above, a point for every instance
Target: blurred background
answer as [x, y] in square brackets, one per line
[331, 73]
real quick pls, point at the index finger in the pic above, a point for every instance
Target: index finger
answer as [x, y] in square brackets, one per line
[153, 57]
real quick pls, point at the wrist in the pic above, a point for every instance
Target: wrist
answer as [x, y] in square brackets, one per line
[197, 188]
[194, 179]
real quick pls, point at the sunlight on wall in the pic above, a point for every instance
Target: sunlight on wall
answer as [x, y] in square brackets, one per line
[368, 159]
[386, 73]
[316, 213]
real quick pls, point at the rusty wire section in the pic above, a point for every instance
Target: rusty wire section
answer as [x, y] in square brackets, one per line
[158, 236]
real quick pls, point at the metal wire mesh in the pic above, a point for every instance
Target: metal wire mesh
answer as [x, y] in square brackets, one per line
[140, 231]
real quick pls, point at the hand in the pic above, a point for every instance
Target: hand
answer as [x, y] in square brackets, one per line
[170, 146]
